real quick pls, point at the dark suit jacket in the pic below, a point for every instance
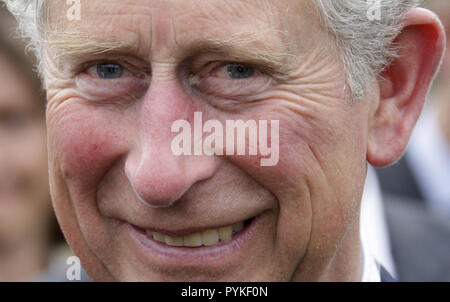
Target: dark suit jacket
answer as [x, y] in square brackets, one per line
[398, 179]
[420, 240]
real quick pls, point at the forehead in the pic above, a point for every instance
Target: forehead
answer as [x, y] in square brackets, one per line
[153, 23]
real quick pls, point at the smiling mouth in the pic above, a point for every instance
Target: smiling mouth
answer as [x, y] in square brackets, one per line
[209, 237]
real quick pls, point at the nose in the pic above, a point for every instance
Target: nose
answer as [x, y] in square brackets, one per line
[158, 177]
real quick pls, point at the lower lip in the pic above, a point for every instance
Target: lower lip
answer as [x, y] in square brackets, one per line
[221, 252]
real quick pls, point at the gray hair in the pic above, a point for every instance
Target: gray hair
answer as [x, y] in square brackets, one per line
[366, 45]
[30, 17]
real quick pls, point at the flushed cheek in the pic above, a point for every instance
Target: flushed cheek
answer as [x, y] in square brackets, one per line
[84, 142]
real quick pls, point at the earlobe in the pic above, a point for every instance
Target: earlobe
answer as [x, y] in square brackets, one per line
[404, 86]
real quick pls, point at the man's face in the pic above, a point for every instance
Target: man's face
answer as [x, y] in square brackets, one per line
[114, 177]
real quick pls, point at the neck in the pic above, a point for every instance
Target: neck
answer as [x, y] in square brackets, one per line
[22, 261]
[344, 265]
[347, 263]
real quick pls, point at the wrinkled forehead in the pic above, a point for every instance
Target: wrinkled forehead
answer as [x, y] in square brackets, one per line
[152, 23]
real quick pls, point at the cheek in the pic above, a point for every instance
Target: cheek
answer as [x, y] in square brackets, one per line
[301, 140]
[332, 162]
[84, 142]
[320, 170]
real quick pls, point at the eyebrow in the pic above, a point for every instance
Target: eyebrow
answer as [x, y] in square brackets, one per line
[253, 47]
[249, 46]
[77, 44]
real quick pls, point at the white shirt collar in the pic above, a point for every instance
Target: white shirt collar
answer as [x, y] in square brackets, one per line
[374, 233]
[370, 267]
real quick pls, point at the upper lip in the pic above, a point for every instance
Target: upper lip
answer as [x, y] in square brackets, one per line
[188, 230]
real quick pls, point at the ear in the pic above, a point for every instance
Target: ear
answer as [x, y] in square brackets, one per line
[404, 86]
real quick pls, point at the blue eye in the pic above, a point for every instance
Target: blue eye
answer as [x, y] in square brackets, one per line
[239, 71]
[109, 70]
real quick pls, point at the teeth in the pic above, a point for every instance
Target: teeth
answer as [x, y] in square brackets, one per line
[237, 227]
[225, 233]
[210, 237]
[174, 241]
[159, 237]
[207, 238]
[193, 240]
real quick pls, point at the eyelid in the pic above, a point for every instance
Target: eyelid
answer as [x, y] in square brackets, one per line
[134, 67]
[209, 68]
[94, 65]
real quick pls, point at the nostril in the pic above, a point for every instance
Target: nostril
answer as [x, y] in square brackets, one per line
[159, 192]
[155, 180]
[153, 203]
[159, 179]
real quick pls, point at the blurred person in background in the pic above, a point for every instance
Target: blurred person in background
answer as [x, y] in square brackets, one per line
[417, 188]
[28, 230]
